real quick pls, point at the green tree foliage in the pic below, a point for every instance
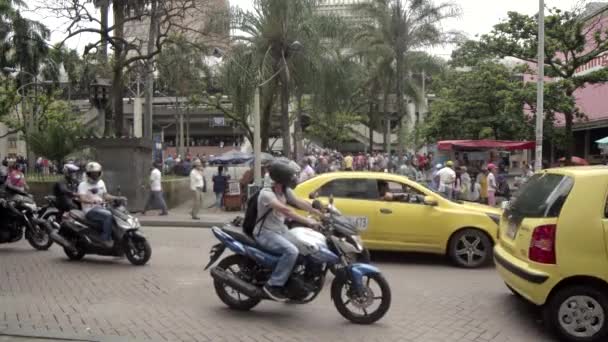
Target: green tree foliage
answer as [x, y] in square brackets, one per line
[332, 128]
[485, 102]
[571, 41]
[56, 136]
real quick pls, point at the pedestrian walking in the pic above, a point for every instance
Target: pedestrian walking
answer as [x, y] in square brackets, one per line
[447, 177]
[156, 199]
[308, 172]
[492, 185]
[220, 183]
[465, 180]
[198, 187]
[482, 179]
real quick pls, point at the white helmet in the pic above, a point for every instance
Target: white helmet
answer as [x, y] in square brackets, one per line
[93, 171]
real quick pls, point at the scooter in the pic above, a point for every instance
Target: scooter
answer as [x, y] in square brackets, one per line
[79, 236]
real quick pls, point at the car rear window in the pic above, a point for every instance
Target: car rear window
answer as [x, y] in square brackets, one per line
[542, 196]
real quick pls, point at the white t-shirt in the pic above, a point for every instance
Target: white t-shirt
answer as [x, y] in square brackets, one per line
[155, 177]
[447, 176]
[96, 191]
[307, 174]
[197, 181]
[492, 182]
[474, 196]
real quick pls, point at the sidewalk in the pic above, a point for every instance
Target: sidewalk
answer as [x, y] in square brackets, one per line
[180, 217]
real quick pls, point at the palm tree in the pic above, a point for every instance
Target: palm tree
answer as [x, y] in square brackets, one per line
[401, 27]
[279, 31]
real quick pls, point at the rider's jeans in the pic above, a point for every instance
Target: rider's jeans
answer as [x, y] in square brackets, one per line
[275, 243]
[104, 218]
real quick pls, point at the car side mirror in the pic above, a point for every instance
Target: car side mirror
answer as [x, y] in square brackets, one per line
[430, 201]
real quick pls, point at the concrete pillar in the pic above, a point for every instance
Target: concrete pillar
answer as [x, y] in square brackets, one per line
[137, 117]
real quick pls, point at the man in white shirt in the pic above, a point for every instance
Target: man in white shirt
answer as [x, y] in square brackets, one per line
[198, 187]
[93, 193]
[447, 176]
[156, 199]
[308, 171]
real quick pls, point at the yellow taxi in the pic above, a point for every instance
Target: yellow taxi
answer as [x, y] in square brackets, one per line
[421, 220]
[553, 249]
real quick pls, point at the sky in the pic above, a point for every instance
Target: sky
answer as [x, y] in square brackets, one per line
[478, 17]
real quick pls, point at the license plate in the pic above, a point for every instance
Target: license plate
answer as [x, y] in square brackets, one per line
[360, 221]
[512, 231]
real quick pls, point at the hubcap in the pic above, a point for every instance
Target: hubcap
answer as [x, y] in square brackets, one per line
[470, 249]
[581, 316]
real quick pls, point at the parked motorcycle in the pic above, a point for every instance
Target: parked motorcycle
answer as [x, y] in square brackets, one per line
[359, 291]
[79, 236]
[18, 219]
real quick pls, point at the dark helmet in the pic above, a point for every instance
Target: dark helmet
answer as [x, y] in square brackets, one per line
[284, 174]
[70, 172]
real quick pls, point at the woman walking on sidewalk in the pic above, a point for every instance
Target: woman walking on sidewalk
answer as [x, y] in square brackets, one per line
[198, 187]
[156, 199]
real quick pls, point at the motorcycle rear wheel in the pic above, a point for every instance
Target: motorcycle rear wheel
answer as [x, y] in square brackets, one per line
[74, 255]
[343, 294]
[231, 297]
[38, 238]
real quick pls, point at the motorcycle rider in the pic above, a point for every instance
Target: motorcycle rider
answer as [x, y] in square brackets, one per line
[270, 229]
[93, 193]
[67, 189]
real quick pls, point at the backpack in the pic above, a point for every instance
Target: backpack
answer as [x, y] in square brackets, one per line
[251, 214]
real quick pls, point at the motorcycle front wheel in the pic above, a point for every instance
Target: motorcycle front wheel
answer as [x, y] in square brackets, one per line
[138, 250]
[234, 264]
[366, 307]
[38, 237]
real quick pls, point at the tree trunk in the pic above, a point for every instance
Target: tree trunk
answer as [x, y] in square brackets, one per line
[149, 77]
[387, 125]
[266, 114]
[299, 136]
[285, 114]
[399, 94]
[119, 60]
[370, 116]
[569, 135]
[104, 9]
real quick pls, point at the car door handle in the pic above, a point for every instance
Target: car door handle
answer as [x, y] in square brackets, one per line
[386, 211]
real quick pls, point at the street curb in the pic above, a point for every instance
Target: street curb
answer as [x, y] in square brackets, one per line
[182, 224]
[61, 336]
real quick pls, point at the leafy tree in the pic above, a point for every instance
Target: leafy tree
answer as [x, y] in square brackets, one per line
[484, 102]
[571, 41]
[400, 27]
[331, 128]
[57, 133]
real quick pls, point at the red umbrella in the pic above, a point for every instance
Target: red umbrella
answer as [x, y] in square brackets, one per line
[575, 161]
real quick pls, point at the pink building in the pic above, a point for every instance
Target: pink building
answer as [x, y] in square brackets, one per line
[592, 99]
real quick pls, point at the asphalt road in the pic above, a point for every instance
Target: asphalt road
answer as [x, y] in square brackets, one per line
[172, 299]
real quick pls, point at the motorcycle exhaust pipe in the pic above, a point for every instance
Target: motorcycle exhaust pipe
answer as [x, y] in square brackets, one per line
[245, 288]
[62, 241]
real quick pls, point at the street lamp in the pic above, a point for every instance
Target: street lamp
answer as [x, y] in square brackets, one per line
[538, 163]
[99, 96]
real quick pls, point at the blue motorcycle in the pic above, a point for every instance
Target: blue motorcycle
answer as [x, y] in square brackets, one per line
[359, 291]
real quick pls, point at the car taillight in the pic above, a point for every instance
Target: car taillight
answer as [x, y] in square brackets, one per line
[542, 245]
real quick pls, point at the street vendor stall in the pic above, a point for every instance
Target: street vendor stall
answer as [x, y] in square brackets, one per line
[479, 152]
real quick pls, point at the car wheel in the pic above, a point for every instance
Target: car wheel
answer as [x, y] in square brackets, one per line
[470, 248]
[578, 313]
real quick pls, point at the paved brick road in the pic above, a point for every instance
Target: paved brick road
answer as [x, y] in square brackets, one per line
[172, 299]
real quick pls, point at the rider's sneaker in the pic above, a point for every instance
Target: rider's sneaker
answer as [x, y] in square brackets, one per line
[275, 292]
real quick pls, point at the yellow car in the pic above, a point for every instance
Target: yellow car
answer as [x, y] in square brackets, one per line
[421, 220]
[553, 249]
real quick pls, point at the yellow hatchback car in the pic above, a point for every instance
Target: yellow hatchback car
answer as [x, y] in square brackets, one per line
[422, 221]
[553, 249]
